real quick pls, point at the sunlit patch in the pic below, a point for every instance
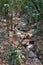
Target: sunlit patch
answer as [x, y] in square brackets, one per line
[30, 46]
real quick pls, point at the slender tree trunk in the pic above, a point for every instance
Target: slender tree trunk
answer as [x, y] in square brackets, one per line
[11, 22]
[41, 21]
[7, 22]
[7, 17]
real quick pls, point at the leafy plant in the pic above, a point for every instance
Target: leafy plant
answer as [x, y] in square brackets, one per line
[14, 55]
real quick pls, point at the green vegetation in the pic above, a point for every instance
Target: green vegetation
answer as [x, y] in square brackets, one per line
[14, 55]
[34, 11]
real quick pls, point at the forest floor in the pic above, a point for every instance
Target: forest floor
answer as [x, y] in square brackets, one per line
[5, 44]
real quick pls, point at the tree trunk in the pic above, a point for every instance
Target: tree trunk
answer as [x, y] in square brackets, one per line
[7, 19]
[41, 22]
[11, 22]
